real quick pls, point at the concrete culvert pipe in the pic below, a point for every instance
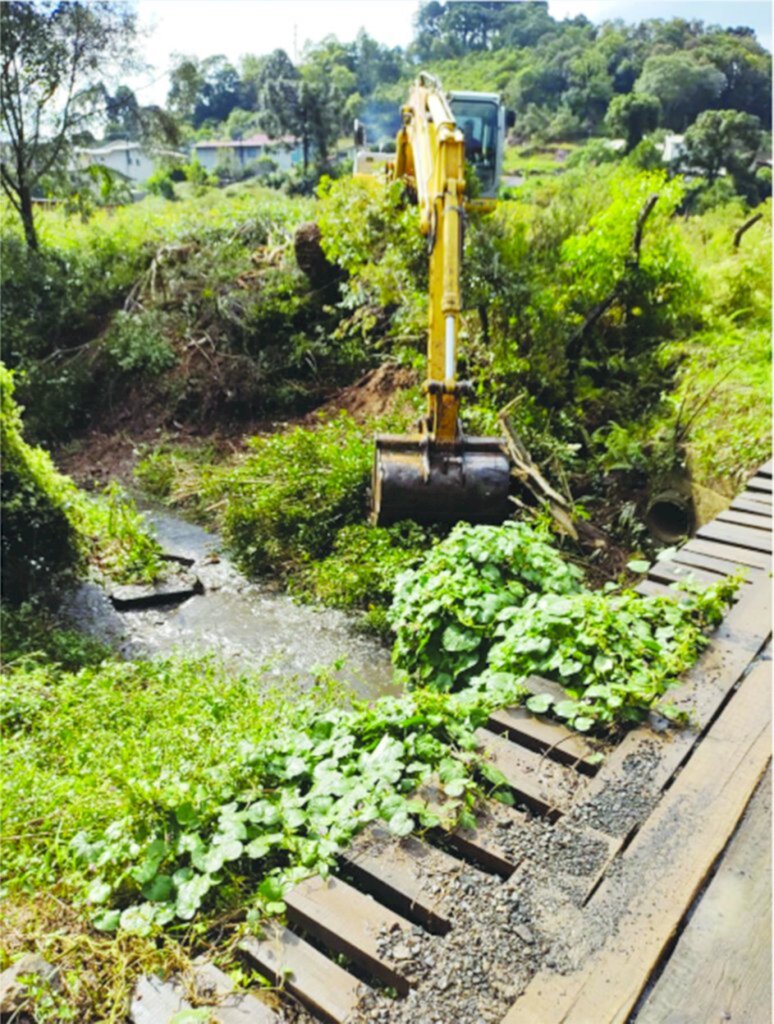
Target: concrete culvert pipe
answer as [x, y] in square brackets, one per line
[670, 516]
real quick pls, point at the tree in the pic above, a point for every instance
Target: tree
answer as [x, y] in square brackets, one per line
[54, 57]
[123, 114]
[206, 90]
[313, 103]
[633, 116]
[185, 83]
[282, 109]
[684, 85]
[723, 138]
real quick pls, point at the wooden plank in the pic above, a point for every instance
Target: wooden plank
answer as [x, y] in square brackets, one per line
[407, 874]
[703, 690]
[228, 1006]
[765, 469]
[721, 566]
[673, 572]
[739, 536]
[650, 588]
[553, 739]
[545, 785]
[671, 856]
[481, 844]
[745, 519]
[759, 483]
[347, 922]
[743, 556]
[761, 497]
[305, 973]
[730, 930]
[155, 1001]
[743, 504]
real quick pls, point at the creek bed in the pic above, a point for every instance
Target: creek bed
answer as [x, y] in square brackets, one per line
[247, 624]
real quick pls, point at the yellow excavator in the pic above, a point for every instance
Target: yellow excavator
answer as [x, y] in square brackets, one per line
[439, 474]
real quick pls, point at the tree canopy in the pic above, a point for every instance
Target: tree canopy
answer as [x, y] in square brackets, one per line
[54, 60]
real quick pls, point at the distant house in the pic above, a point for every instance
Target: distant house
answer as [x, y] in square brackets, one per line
[285, 152]
[130, 159]
[673, 148]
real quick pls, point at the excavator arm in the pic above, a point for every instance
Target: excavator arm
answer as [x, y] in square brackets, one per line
[430, 154]
[439, 474]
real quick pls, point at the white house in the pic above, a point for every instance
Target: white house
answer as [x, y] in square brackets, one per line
[285, 151]
[673, 148]
[130, 159]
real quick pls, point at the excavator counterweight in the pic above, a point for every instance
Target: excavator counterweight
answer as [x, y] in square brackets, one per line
[439, 474]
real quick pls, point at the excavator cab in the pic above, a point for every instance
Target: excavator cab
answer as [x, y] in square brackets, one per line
[439, 474]
[481, 116]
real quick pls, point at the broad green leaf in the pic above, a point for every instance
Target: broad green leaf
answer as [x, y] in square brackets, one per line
[107, 920]
[540, 703]
[457, 639]
[190, 895]
[138, 920]
[159, 889]
[401, 823]
[99, 891]
[638, 565]
[565, 708]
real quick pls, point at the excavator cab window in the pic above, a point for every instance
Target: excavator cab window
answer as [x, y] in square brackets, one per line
[478, 122]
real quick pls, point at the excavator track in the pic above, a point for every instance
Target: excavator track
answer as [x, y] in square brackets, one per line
[592, 879]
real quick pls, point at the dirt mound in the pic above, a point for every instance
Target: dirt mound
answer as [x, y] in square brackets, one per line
[377, 393]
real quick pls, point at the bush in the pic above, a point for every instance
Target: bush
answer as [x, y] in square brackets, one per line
[160, 183]
[49, 527]
[40, 541]
[284, 501]
[445, 611]
[363, 566]
[489, 606]
[136, 342]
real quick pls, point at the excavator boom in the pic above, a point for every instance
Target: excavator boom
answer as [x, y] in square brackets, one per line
[439, 474]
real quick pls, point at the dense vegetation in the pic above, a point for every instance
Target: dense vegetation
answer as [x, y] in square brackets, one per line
[618, 309]
[48, 525]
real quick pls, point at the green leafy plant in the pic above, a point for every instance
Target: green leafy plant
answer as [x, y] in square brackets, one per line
[445, 611]
[283, 502]
[136, 343]
[489, 606]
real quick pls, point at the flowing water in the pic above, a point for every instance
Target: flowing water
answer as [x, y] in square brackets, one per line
[248, 625]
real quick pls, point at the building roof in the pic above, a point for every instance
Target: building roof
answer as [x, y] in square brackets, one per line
[124, 146]
[252, 140]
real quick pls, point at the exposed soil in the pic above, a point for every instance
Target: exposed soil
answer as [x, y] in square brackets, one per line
[377, 393]
[111, 449]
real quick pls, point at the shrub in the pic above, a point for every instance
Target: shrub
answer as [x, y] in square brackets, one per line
[40, 541]
[49, 526]
[137, 344]
[160, 183]
[285, 500]
[364, 564]
[489, 606]
[445, 611]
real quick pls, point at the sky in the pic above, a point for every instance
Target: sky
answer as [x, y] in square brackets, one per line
[234, 27]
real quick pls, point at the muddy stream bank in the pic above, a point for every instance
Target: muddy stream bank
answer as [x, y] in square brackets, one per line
[246, 624]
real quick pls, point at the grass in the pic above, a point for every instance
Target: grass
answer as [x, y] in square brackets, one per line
[154, 219]
[533, 159]
[722, 395]
[85, 750]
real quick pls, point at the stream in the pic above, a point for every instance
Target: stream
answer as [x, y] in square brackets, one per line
[249, 625]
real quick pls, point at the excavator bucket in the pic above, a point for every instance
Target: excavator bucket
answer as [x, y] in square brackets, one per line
[430, 483]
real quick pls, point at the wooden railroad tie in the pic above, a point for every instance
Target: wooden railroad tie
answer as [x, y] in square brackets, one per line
[391, 886]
